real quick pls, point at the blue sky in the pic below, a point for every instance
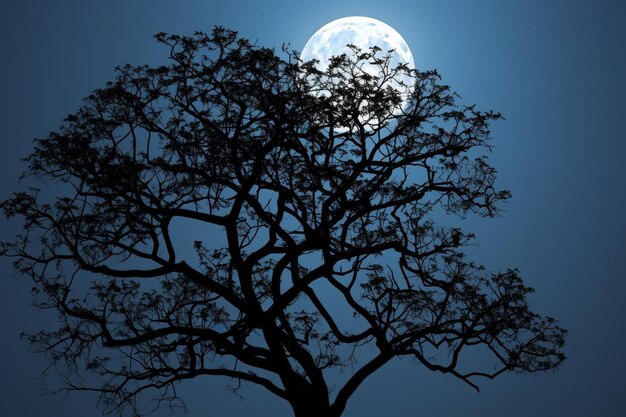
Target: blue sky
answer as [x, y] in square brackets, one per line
[554, 69]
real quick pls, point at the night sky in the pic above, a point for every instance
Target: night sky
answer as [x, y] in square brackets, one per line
[554, 69]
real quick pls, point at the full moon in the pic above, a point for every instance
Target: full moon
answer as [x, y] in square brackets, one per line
[332, 40]
[364, 32]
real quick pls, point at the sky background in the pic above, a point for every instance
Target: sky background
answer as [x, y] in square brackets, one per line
[554, 69]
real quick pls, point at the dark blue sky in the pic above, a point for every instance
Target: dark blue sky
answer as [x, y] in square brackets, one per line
[553, 68]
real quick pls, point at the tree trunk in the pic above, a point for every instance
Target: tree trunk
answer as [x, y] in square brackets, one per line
[312, 410]
[312, 406]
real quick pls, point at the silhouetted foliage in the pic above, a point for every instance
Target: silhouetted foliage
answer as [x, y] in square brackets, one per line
[226, 215]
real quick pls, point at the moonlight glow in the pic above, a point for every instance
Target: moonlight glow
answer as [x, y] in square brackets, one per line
[332, 40]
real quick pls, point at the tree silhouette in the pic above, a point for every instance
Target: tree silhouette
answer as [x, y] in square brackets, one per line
[239, 214]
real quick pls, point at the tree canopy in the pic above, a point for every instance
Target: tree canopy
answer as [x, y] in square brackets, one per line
[240, 213]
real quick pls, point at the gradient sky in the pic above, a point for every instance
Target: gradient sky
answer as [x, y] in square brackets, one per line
[554, 69]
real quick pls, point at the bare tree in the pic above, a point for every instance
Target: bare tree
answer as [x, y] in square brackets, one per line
[321, 203]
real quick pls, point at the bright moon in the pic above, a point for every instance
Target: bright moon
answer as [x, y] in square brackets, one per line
[332, 40]
[361, 31]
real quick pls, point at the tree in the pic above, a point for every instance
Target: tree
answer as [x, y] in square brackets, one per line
[318, 197]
